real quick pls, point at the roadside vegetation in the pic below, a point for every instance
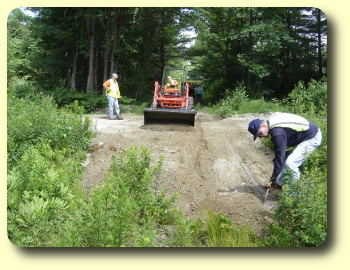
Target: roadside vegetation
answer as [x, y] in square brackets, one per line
[48, 207]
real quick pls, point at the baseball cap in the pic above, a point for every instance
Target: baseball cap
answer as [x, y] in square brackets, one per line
[253, 127]
[115, 75]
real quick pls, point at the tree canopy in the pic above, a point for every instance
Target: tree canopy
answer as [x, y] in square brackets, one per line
[268, 50]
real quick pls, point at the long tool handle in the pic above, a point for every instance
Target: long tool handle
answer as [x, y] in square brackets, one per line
[267, 193]
[246, 169]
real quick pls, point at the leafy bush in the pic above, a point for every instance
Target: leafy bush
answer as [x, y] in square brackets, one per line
[301, 213]
[63, 97]
[237, 101]
[230, 104]
[187, 233]
[66, 97]
[216, 230]
[41, 189]
[126, 209]
[46, 206]
[310, 99]
[37, 119]
[262, 106]
[311, 102]
[46, 147]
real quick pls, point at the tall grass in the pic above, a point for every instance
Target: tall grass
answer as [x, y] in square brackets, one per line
[222, 233]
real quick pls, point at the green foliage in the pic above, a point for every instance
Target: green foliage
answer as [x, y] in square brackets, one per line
[267, 49]
[232, 102]
[311, 102]
[188, 233]
[222, 233]
[126, 210]
[47, 208]
[21, 47]
[36, 119]
[64, 97]
[301, 213]
[237, 102]
[262, 106]
[311, 99]
[72, 98]
[216, 230]
[41, 188]
[46, 147]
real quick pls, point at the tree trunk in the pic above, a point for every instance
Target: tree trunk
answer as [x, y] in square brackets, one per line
[117, 31]
[96, 70]
[107, 47]
[319, 43]
[72, 82]
[91, 31]
[114, 46]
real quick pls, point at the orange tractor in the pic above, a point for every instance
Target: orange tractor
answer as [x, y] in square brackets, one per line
[172, 102]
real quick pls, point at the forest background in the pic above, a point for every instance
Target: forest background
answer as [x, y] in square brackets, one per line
[70, 52]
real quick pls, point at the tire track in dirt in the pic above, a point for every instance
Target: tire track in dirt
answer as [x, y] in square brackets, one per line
[198, 163]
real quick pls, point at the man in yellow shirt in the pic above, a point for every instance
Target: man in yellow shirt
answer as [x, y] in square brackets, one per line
[171, 83]
[112, 93]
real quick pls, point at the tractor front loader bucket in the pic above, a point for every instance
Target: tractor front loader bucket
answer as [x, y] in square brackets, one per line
[171, 116]
[171, 103]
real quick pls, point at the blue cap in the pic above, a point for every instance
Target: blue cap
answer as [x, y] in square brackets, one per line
[253, 127]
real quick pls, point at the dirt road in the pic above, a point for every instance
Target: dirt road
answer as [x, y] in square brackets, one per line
[206, 164]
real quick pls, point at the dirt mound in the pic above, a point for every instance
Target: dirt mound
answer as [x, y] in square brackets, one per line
[206, 164]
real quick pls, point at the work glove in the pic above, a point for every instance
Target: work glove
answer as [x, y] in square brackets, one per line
[272, 184]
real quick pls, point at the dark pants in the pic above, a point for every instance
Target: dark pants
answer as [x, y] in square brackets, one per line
[199, 98]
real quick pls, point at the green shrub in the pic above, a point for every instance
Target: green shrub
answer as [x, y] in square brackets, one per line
[63, 97]
[187, 233]
[216, 230]
[67, 97]
[311, 99]
[126, 210]
[237, 101]
[231, 104]
[46, 147]
[311, 103]
[262, 106]
[37, 119]
[301, 213]
[41, 188]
